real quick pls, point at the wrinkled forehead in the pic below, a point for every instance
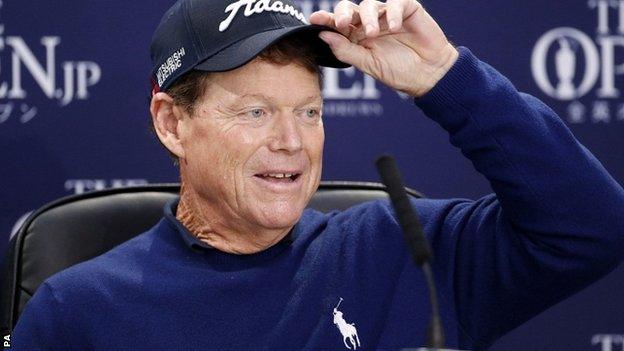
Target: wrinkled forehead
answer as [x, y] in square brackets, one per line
[287, 84]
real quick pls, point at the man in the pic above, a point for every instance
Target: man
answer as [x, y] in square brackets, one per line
[239, 264]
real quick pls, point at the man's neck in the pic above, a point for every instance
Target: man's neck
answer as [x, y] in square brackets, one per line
[203, 221]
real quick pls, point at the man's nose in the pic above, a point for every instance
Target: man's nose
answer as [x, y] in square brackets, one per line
[286, 134]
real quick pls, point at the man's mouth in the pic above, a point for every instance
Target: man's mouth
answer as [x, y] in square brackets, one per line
[279, 177]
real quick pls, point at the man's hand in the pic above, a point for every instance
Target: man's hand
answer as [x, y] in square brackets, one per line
[396, 42]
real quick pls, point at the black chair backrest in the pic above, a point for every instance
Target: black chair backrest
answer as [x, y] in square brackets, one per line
[76, 228]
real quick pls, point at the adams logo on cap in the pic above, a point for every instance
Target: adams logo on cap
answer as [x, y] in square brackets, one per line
[193, 36]
[253, 7]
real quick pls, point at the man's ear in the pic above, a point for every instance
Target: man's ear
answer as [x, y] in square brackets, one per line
[166, 121]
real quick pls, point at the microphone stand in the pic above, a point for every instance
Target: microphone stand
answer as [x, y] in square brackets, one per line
[417, 245]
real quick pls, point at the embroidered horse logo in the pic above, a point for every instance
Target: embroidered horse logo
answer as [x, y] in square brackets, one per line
[347, 330]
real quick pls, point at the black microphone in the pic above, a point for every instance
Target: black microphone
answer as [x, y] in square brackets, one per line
[412, 230]
[415, 239]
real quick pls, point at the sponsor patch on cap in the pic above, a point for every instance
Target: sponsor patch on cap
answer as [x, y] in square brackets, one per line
[172, 64]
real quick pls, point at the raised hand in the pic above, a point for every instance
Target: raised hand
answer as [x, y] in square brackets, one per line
[396, 42]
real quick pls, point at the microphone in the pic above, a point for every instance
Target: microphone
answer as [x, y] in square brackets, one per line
[414, 237]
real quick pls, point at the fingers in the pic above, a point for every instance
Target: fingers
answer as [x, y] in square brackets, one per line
[345, 12]
[369, 13]
[346, 51]
[366, 15]
[372, 18]
[395, 10]
[323, 18]
[341, 20]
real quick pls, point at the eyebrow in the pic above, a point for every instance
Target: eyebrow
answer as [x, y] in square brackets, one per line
[266, 99]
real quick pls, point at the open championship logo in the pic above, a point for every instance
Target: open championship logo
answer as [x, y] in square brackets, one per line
[61, 81]
[566, 49]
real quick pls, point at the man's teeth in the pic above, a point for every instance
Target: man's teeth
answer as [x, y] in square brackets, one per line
[278, 175]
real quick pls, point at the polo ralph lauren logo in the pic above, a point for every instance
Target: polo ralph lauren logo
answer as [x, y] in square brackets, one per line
[348, 330]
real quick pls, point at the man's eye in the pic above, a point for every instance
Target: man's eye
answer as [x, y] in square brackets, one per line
[256, 113]
[312, 113]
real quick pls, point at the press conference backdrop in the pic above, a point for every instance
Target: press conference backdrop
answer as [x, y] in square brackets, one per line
[74, 115]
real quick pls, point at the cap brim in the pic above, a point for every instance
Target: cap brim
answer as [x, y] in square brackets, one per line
[246, 49]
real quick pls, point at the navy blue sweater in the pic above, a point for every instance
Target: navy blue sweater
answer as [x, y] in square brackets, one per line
[345, 279]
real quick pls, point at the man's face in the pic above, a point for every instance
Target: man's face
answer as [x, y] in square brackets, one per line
[253, 148]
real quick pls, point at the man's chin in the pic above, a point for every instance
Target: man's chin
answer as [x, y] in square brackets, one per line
[281, 217]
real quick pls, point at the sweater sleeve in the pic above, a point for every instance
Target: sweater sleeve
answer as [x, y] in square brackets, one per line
[555, 223]
[40, 326]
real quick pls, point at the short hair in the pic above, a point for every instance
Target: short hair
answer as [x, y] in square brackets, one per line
[187, 89]
[191, 86]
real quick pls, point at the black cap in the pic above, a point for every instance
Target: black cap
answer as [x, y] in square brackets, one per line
[221, 35]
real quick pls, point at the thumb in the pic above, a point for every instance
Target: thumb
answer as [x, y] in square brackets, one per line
[346, 51]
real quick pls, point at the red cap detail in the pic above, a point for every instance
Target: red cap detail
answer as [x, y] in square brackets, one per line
[155, 86]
